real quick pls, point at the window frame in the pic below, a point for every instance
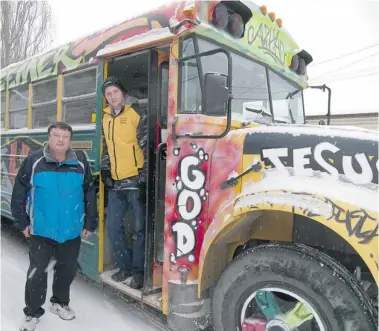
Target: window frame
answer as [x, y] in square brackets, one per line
[162, 65]
[180, 74]
[17, 110]
[3, 110]
[36, 106]
[292, 84]
[194, 36]
[81, 97]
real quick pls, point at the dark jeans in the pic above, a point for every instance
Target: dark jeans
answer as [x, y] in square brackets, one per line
[41, 250]
[119, 201]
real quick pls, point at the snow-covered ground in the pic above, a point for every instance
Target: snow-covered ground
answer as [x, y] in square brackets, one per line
[96, 309]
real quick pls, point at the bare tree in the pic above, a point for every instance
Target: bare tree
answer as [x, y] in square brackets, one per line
[26, 29]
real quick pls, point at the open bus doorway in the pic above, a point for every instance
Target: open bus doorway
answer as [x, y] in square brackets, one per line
[132, 70]
[141, 75]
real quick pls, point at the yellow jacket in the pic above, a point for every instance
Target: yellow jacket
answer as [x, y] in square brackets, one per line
[124, 142]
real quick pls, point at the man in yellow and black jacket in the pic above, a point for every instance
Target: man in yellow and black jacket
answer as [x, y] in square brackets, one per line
[123, 171]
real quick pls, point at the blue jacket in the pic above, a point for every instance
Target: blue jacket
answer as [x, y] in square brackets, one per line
[57, 199]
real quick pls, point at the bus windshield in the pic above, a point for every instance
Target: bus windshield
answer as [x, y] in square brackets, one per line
[251, 85]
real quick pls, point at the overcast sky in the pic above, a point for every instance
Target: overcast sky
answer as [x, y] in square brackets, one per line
[325, 28]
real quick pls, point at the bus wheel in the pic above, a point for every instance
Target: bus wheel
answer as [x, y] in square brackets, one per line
[289, 288]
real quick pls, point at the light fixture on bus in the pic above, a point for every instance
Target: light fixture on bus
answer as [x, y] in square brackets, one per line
[220, 16]
[225, 18]
[189, 10]
[294, 62]
[299, 65]
[302, 69]
[279, 21]
[263, 10]
[236, 26]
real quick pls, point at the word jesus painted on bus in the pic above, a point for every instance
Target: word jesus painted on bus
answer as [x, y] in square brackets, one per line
[326, 157]
[190, 184]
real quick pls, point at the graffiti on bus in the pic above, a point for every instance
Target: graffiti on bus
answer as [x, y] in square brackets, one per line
[70, 56]
[190, 185]
[13, 154]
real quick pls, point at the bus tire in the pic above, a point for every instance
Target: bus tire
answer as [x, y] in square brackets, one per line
[327, 286]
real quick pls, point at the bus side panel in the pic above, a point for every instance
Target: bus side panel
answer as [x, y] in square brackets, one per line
[14, 149]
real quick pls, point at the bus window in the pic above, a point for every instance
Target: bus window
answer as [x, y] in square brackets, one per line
[18, 107]
[3, 93]
[45, 91]
[79, 112]
[79, 96]
[44, 103]
[163, 101]
[287, 107]
[190, 88]
[249, 81]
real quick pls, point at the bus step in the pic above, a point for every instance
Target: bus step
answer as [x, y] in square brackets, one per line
[153, 300]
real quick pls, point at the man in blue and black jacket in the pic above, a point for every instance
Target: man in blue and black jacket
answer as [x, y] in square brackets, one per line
[54, 204]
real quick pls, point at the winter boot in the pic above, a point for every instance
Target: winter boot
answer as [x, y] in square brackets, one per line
[137, 281]
[121, 275]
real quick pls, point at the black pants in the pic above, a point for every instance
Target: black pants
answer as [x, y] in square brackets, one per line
[41, 250]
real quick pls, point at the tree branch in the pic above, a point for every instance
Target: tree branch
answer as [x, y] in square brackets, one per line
[25, 29]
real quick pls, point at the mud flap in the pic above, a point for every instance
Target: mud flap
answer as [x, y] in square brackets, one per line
[186, 311]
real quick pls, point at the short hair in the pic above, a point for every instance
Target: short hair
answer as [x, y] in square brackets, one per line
[60, 125]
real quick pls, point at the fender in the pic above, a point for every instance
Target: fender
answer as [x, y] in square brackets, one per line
[347, 209]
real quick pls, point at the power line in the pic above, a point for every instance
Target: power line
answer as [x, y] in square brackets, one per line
[343, 55]
[347, 65]
[348, 74]
[354, 72]
[351, 77]
[337, 79]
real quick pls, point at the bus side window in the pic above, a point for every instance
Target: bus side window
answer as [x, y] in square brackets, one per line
[79, 96]
[163, 99]
[18, 107]
[3, 96]
[44, 103]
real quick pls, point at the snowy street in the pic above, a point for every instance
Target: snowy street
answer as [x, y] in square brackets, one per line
[96, 309]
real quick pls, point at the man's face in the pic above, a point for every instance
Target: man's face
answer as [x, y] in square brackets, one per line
[59, 140]
[115, 97]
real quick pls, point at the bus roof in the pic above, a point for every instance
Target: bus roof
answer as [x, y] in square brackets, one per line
[77, 53]
[263, 38]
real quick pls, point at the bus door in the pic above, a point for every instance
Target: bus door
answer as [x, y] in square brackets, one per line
[160, 157]
[144, 75]
[158, 104]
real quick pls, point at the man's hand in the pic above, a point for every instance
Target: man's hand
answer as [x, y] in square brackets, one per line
[106, 178]
[26, 232]
[86, 233]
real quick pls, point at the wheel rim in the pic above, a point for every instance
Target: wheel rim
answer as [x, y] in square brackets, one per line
[270, 313]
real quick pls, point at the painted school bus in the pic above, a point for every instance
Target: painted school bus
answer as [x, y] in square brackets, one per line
[254, 220]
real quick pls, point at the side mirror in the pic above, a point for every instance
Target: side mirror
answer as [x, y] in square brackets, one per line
[323, 88]
[215, 94]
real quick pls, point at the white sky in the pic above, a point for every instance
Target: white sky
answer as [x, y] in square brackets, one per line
[325, 28]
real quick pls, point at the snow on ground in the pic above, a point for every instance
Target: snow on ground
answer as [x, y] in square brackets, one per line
[96, 310]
